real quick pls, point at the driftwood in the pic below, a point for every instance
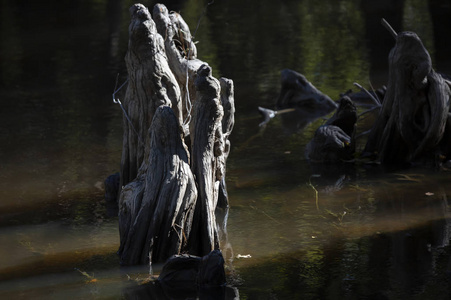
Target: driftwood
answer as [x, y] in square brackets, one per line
[169, 196]
[415, 112]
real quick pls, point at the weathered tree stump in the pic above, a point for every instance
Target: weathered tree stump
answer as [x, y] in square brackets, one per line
[169, 196]
[411, 124]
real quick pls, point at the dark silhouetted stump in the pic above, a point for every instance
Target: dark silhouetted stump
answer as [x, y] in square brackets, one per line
[297, 92]
[414, 114]
[334, 141]
[169, 196]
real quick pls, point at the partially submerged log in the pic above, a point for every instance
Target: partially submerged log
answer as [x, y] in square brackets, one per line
[299, 102]
[297, 92]
[169, 196]
[411, 124]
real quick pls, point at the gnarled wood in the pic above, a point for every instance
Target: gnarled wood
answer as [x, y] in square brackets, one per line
[151, 84]
[228, 121]
[181, 51]
[156, 209]
[168, 204]
[414, 113]
[207, 159]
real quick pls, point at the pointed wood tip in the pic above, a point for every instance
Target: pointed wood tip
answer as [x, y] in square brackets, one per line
[389, 28]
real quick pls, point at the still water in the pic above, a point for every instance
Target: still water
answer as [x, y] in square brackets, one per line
[295, 231]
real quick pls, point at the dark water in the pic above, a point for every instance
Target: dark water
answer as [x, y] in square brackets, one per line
[335, 233]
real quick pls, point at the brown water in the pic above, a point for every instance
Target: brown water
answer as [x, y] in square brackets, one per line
[347, 232]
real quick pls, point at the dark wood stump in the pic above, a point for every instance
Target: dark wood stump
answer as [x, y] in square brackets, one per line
[297, 92]
[411, 124]
[169, 196]
[334, 141]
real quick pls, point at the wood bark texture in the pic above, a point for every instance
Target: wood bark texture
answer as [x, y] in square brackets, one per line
[156, 209]
[414, 113]
[181, 52]
[151, 84]
[207, 160]
[169, 196]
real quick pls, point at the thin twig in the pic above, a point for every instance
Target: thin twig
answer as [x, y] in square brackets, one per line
[265, 214]
[374, 92]
[368, 93]
[117, 101]
[389, 28]
[316, 191]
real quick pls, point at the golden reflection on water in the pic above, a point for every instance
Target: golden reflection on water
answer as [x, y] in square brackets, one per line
[290, 219]
[34, 248]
